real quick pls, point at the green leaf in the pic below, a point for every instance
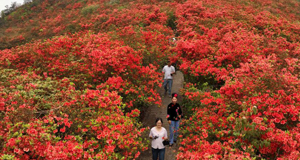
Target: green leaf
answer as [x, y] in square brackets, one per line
[16, 134]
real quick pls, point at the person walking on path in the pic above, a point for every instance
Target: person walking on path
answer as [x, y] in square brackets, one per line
[168, 71]
[158, 134]
[174, 114]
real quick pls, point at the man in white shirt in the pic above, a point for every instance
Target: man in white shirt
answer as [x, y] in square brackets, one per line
[168, 71]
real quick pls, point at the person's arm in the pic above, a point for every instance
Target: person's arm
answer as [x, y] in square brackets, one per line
[166, 135]
[151, 134]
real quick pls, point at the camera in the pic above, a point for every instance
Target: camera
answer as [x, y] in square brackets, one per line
[155, 137]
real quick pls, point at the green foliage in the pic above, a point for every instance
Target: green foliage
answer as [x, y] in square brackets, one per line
[7, 157]
[2, 17]
[204, 81]
[251, 134]
[34, 3]
[98, 23]
[114, 1]
[44, 91]
[190, 104]
[72, 28]
[171, 21]
[89, 9]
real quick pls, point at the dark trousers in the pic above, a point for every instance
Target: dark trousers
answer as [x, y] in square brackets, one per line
[158, 153]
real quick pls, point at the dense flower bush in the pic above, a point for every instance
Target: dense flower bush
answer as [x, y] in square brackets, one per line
[51, 119]
[85, 70]
[254, 53]
[89, 59]
[78, 112]
[251, 113]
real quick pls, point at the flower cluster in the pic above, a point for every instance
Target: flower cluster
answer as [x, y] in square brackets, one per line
[75, 76]
[51, 119]
[252, 55]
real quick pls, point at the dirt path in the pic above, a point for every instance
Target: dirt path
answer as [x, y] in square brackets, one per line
[154, 111]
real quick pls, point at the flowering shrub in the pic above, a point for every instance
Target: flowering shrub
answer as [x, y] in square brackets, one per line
[44, 19]
[255, 113]
[61, 97]
[213, 40]
[50, 119]
[89, 59]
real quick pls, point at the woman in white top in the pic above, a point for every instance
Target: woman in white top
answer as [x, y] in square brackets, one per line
[158, 134]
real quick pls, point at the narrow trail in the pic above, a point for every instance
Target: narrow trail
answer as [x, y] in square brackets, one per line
[154, 111]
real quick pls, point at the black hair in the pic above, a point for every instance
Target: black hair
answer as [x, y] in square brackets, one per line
[158, 119]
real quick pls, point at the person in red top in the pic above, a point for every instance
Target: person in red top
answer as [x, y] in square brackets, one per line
[174, 115]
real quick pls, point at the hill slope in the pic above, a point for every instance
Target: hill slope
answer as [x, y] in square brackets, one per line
[69, 65]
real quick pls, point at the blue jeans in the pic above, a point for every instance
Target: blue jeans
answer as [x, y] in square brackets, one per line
[158, 153]
[169, 82]
[174, 126]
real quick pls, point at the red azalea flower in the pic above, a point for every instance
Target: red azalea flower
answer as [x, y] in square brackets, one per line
[25, 149]
[63, 130]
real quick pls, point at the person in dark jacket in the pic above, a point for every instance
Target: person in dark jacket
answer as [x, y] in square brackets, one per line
[174, 115]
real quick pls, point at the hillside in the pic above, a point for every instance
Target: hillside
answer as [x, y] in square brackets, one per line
[46, 18]
[76, 75]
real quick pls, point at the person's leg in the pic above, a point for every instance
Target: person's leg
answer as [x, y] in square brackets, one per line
[162, 154]
[176, 126]
[165, 85]
[172, 128]
[170, 85]
[154, 153]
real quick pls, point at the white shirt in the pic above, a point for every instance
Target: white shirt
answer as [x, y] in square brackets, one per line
[168, 70]
[158, 142]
